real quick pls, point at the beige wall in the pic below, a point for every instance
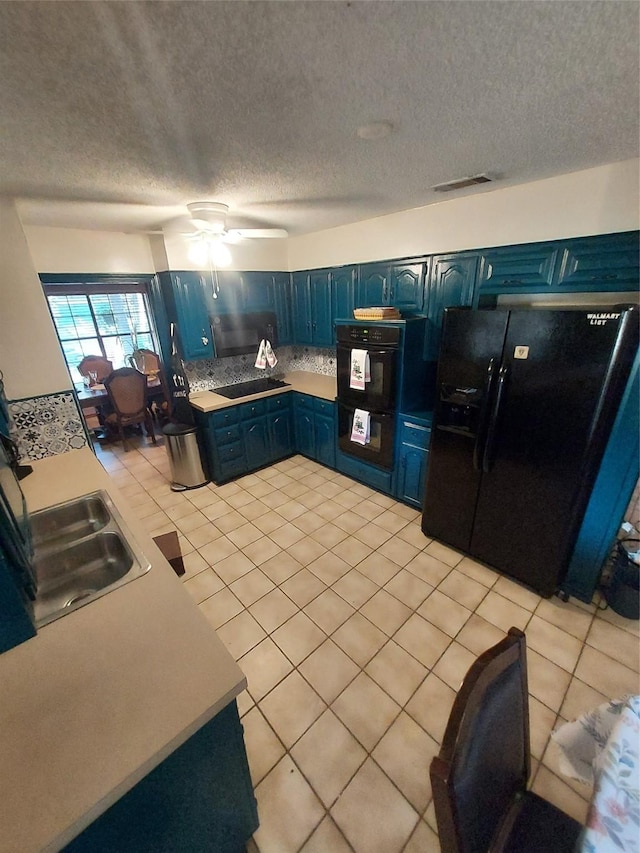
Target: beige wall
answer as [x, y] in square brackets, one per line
[595, 201]
[78, 251]
[30, 356]
[60, 250]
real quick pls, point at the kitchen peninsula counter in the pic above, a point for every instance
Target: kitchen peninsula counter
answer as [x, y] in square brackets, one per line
[314, 384]
[102, 695]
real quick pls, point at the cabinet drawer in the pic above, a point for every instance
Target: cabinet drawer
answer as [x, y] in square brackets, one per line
[233, 450]
[324, 407]
[253, 410]
[304, 401]
[225, 417]
[232, 468]
[227, 434]
[414, 434]
[278, 404]
[518, 268]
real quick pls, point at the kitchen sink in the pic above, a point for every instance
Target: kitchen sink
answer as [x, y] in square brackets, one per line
[82, 550]
[69, 521]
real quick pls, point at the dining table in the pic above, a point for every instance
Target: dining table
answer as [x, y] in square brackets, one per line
[96, 395]
[602, 747]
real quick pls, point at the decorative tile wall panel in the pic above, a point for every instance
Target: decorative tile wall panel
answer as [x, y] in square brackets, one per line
[47, 425]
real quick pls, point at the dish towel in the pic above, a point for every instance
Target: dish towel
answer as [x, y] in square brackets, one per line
[360, 369]
[361, 429]
[261, 358]
[270, 355]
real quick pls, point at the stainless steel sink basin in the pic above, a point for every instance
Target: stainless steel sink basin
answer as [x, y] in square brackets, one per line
[82, 550]
[69, 521]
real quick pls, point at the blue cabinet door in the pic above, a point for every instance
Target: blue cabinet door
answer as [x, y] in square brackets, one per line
[609, 262]
[160, 317]
[256, 442]
[302, 333]
[513, 269]
[321, 319]
[258, 291]
[303, 422]
[325, 440]
[451, 284]
[192, 315]
[343, 296]
[227, 291]
[280, 435]
[282, 300]
[411, 474]
[373, 285]
[406, 286]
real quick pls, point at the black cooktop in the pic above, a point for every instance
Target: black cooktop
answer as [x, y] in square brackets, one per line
[245, 389]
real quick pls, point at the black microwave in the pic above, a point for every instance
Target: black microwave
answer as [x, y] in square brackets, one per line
[240, 334]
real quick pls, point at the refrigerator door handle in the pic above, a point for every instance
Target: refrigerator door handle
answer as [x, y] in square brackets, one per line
[493, 421]
[482, 419]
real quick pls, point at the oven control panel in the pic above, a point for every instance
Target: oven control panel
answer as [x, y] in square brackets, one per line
[369, 334]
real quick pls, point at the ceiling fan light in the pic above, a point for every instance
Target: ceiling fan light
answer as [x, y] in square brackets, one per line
[219, 254]
[198, 253]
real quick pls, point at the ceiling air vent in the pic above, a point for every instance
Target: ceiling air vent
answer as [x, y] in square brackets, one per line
[461, 184]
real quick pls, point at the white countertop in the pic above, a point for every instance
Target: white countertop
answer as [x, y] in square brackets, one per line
[315, 384]
[99, 697]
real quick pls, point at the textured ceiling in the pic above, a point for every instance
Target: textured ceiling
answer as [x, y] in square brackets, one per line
[116, 114]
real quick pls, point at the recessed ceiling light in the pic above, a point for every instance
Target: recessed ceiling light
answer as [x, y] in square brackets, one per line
[375, 130]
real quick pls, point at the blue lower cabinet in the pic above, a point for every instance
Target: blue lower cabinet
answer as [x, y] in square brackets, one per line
[256, 443]
[315, 428]
[325, 431]
[414, 435]
[247, 436]
[371, 475]
[280, 434]
[198, 799]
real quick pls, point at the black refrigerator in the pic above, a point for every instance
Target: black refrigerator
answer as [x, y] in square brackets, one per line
[525, 403]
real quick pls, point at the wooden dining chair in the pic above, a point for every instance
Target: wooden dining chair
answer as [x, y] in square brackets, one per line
[479, 778]
[127, 390]
[95, 364]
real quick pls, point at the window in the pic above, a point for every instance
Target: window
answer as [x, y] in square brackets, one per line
[94, 320]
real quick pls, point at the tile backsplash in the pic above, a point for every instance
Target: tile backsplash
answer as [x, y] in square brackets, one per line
[213, 373]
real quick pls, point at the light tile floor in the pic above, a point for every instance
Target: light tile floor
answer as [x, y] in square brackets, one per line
[354, 632]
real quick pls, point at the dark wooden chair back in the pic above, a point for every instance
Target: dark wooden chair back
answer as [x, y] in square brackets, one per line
[97, 364]
[479, 778]
[127, 390]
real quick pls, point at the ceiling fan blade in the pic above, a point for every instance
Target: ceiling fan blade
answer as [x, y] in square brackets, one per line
[257, 233]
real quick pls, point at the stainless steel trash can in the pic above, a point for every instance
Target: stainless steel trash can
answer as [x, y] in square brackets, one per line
[187, 470]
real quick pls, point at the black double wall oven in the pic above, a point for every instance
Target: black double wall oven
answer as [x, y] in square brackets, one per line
[377, 398]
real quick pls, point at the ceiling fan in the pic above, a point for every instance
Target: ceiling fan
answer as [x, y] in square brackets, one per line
[209, 233]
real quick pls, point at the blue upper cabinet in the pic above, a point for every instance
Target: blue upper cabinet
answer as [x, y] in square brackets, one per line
[607, 262]
[407, 286]
[282, 302]
[321, 320]
[373, 285]
[185, 296]
[400, 284]
[610, 262]
[258, 291]
[312, 322]
[301, 307]
[227, 291]
[451, 284]
[343, 284]
[528, 268]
